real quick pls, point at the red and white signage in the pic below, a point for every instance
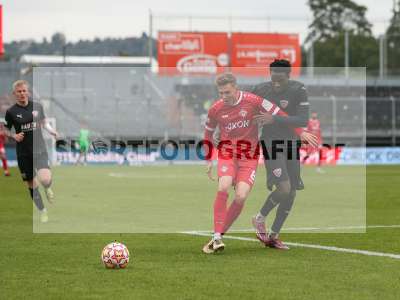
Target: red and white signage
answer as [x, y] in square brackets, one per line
[212, 52]
[253, 52]
[192, 52]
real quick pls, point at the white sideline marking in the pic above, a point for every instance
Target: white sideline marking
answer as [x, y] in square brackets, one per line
[328, 248]
[316, 228]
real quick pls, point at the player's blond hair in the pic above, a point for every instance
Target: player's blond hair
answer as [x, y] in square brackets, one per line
[19, 83]
[224, 79]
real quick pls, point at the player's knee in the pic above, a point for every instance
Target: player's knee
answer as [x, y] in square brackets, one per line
[284, 189]
[45, 180]
[240, 197]
[224, 188]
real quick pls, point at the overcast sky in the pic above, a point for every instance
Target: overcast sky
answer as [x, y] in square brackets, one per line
[87, 19]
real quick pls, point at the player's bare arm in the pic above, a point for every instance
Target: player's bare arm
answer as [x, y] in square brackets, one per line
[18, 137]
[47, 126]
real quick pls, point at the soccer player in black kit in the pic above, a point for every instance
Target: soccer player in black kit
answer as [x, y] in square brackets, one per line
[283, 165]
[28, 119]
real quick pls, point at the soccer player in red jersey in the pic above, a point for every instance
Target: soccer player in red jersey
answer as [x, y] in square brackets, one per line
[314, 127]
[3, 156]
[238, 150]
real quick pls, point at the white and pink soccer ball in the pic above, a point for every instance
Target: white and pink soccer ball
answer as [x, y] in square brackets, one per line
[115, 256]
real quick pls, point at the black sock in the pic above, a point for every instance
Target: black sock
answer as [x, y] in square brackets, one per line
[37, 198]
[270, 203]
[283, 211]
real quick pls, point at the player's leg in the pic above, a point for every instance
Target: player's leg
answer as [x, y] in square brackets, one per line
[277, 176]
[287, 191]
[245, 177]
[44, 175]
[226, 172]
[220, 201]
[25, 165]
[242, 191]
[85, 150]
[4, 161]
[319, 169]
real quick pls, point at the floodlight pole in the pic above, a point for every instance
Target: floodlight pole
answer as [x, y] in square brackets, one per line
[311, 60]
[381, 56]
[346, 53]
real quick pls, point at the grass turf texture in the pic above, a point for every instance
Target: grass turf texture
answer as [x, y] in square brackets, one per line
[171, 266]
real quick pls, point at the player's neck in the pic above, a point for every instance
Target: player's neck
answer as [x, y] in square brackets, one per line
[236, 100]
[23, 103]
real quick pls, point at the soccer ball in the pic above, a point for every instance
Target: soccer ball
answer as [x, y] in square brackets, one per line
[115, 256]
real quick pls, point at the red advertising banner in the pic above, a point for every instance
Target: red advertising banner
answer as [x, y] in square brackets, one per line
[253, 52]
[1, 31]
[204, 53]
[192, 52]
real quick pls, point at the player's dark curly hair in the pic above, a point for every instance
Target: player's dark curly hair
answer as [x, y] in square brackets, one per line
[280, 66]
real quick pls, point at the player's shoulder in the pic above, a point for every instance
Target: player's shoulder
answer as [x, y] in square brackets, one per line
[262, 88]
[12, 109]
[249, 96]
[296, 85]
[36, 104]
[217, 105]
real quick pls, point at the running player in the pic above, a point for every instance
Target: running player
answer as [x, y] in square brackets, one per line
[28, 118]
[83, 144]
[3, 157]
[238, 150]
[283, 170]
[314, 127]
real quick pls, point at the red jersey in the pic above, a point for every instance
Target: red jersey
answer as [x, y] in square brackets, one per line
[314, 127]
[2, 139]
[235, 122]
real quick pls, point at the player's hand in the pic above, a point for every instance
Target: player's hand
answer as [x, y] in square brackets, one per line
[309, 138]
[19, 137]
[56, 135]
[209, 170]
[264, 118]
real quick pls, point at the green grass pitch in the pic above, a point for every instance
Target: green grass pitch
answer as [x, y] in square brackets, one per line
[171, 266]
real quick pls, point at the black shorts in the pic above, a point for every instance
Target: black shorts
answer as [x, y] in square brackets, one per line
[29, 164]
[283, 167]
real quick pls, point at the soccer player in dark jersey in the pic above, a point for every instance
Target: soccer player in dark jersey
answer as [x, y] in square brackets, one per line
[283, 168]
[238, 150]
[3, 157]
[28, 119]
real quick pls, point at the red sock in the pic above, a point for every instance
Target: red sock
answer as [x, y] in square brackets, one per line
[233, 212]
[5, 167]
[220, 211]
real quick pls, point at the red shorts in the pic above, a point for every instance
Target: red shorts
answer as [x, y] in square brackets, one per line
[240, 169]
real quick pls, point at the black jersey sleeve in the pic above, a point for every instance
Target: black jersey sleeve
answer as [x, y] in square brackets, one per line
[301, 117]
[9, 120]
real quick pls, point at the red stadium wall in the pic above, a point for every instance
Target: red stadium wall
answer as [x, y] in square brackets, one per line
[214, 52]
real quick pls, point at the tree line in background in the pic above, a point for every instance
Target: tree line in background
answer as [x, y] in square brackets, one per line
[332, 21]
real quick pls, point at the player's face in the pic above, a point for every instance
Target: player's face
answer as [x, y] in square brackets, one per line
[279, 80]
[21, 94]
[228, 93]
[313, 115]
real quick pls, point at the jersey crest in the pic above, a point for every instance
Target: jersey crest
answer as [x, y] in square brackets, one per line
[284, 103]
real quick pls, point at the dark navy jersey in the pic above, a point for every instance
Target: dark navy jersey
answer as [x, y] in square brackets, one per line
[27, 119]
[293, 100]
